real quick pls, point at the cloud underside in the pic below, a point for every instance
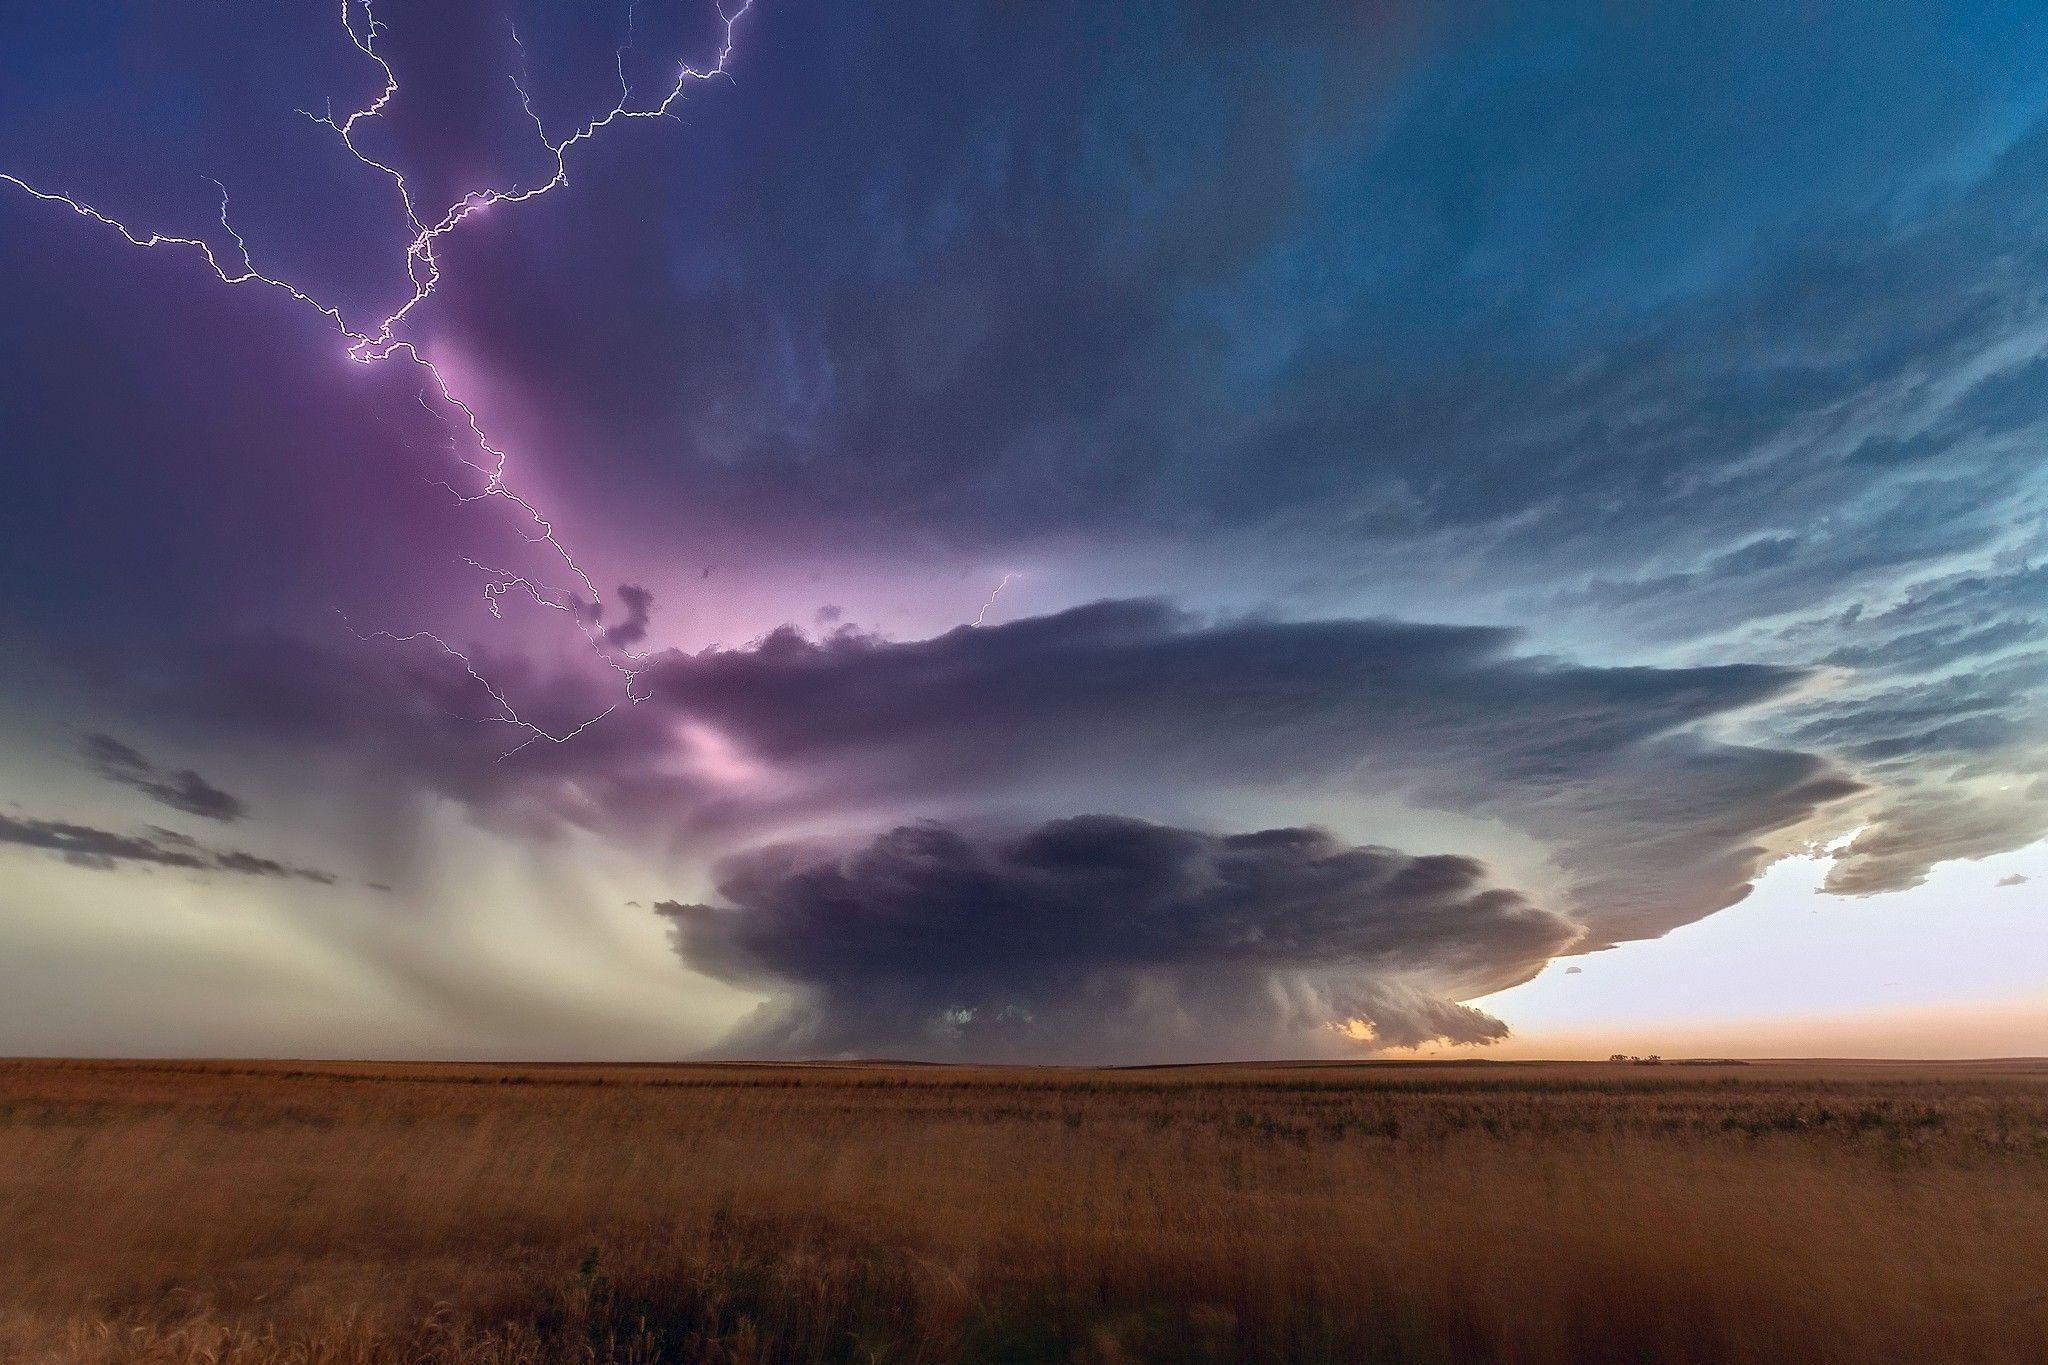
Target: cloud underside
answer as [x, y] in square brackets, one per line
[1106, 938]
[1645, 820]
[1649, 822]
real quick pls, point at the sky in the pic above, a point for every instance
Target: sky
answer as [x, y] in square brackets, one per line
[1044, 532]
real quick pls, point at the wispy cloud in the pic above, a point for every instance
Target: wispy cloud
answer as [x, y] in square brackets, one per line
[107, 850]
[182, 790]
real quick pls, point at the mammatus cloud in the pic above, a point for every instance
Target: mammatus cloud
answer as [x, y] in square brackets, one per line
[1106, 938]
[105, 850]
[183, 790]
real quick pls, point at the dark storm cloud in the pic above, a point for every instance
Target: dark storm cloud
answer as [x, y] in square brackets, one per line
[183, 790]
[629, 632]
[1654, 823]
[1560, 337]
[1650, 820]
[1692, 336]
[105, 850]
[1159, 676]
[1101, 937]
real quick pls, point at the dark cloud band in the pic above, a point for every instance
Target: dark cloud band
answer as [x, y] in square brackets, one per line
[106, 850]
[1102, 937]
[183, 790]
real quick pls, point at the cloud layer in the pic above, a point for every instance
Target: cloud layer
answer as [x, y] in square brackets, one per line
[1653, 821]
[1705, 346]
[1648, 819]
[1104, 938]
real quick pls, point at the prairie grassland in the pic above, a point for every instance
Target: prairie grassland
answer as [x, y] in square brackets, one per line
[243, 1212]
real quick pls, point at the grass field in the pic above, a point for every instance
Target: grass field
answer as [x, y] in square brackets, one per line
[232, 1212]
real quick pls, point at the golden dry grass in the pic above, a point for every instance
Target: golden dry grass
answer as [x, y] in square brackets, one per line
[382, 1213]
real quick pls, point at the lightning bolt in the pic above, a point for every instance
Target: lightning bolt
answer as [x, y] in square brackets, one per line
[982, 615]
[381, 340]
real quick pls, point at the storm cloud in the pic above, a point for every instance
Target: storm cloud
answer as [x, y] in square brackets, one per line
[1648, 816]
[1654, 821]
[1102, 937]
[1704, 346]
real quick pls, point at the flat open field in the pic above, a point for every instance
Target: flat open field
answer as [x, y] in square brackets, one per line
[1513, 1211]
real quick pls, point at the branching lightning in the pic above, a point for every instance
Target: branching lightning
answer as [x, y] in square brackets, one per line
[382, 340]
